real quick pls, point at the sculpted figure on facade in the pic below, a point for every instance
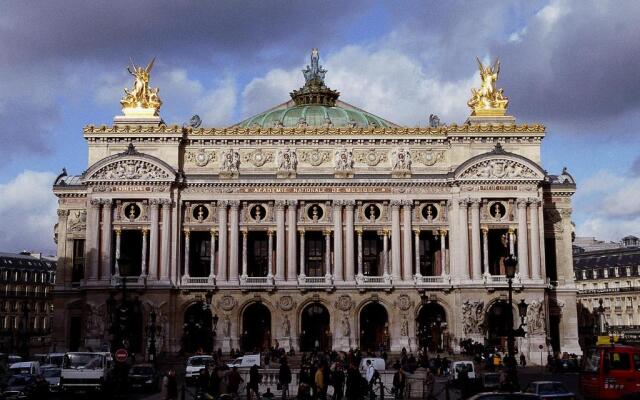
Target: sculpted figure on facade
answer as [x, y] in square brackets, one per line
[286, 326]
[77, 221]
[472, 312]
[343, 161]
[287, 160]
[344, 302]
[404, 327]
[95, 321]
[488, 100]
[535, 318]
[499, 169]
[401, 160]
[345, 326]
[230, 161]
[141, 96]
[226, 326]
[130, 170]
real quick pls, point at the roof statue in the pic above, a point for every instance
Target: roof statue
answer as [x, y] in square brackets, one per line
[141, 100]
[488, 101]
[314, 90]
[315, 71]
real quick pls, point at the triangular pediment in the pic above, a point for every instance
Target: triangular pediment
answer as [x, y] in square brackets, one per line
[130, 166]
[499, 166]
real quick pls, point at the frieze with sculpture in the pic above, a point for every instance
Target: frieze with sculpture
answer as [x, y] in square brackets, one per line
[344, 303]
[227, 303]
[499, 169]
[286, 303]
[315, 157]
[201, 157]
[536, 318]
[428, 157]
[343, 161]
[287, 161]
[130, 170]
[77, 221]
[230, 161]
[258, 157]
[473, 317]
[371, 157]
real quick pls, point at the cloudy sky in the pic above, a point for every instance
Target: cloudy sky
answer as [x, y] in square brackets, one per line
[573, 65]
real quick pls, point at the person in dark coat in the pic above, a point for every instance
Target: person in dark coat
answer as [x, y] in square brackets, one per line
[284, 378]
[234, 380]
[254, 381]
[337, 381]
[354, 383]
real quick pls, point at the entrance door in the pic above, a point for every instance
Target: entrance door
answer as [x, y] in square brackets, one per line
[316, 332]
[431, 324]
[500, 321]
[256, 328]
[315, 254]
[197, 335]
[374, 327]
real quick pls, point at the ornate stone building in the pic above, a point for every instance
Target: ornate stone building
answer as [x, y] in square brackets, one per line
[315, 223]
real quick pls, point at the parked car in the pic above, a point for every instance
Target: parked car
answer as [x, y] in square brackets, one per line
[55, 359]
[491, 381]
[246, 361]
[21, 387]
[550, 390]
[86, 371]
[25, 367]
[52, 376]
[144, 377]
[610, 372]
[504, 396]
[194, 365]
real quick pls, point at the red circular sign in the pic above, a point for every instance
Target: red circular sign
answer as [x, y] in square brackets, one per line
[541, 347]
[122, 355]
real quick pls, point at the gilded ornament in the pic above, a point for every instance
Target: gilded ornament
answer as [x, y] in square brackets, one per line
[488, 101]
[141, 100]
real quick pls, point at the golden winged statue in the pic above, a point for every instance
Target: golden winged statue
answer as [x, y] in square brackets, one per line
[488, 101]
[141, 96]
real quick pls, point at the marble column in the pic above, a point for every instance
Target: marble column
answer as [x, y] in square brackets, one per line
[385, 252]
[512, 239]
[443, 251]
[291, 240]
[65, 268]
[234, 231]
[116, 272]
[327, 252]
[223, 235]
[143, 264]
[107, 229]
[165, 248]
[407, 267]
[416, 251]
[280, 240]
[187, 239]
[92, 246]
[476, 256]
[337, 241]
[154, 221]
[535, 239]
[463, 221]
[245, 233]
[396, 251]
[303, 271]
[523, 242]
[485, 249]
[212, 256]
[359, 232]
[270, 253]
[348, 240]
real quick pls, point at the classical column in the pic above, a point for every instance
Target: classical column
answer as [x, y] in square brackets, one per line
[396, 255]
[485, 249]
[327, 252]
[105, 272]
[187, 236]
[92, 242]
[270, 253]
[291, 240]
[337, 241]
[348, 241]
[234, 230]
[385, 251]
[463, 221]
[302, 256]
[165, 248]
[407, 269]
[523, 242]
[512, 239]
[280, 240]
[416, 250]
[212, 256]
[359, 232]
[476, 256]
[443, 251]
[223, 234]
[245, 233]
[118, 240]
[535, 239]
[143, 263]
[65, 279]
[154, 220]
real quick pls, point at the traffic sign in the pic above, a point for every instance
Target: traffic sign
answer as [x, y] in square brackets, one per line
[122, 355]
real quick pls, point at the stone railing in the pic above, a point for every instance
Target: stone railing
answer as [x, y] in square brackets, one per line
[198, 281]
[365, 281]
[132, 281]
[257, 282]
[322, 282]
[432, 281]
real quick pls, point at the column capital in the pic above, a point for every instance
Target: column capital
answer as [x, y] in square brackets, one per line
[349, 203]
[106, 202]
[327, 232]
[406, 203]
[245, 232]
[145, 231]
[301, 232]
[395, 203]
[463, 202]
[443, 232]
[535, 202]
[385, 232]
[280, 204]
[337, 203]
[234, 203]
[359, 231]
[270, 232]
[511, 230]
[63, 213]
[484, 230]
[187, 233]
[475, 203]
[154, 203]
[416, 231]
[292, 203]
[118, 231]
[213, 231]
[95, 203]
[522, 203]
[222, 203]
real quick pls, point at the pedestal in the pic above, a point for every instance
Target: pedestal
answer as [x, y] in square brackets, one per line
[286, 343]
[226, 345]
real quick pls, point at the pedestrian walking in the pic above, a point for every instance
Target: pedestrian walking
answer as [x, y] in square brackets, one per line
[399, 383]
[430, 382]
[284, 378]
[254, 382]
[523, 360]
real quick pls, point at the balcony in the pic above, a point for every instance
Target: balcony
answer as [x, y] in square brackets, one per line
[131, 281]
[435, 282]
[374, 282]
[207, 282]
[609, 290]
[315, 282]
[257, 282]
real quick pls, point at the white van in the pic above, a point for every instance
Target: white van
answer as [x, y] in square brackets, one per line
[245, 361]
[457, 366]
[25, 368]
[83, 371]
[378, 363]
[194, 365]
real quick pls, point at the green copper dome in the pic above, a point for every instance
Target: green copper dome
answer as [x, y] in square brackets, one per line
[315, 105]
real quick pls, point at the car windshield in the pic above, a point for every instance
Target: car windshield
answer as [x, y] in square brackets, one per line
[551, 388]
[20, 370]
[198, 361]
[56, 360]
[591, 361]
[137, 370]
[51, 373]
[83, 361]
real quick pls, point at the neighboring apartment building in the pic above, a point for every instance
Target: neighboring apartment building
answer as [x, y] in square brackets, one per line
[26, 307]
[613, 277]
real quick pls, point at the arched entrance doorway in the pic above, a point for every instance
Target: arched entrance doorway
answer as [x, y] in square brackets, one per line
[374, 327]
[197, 335]
[315, 332]
[432, 323]
[499, 322]
[256, 328]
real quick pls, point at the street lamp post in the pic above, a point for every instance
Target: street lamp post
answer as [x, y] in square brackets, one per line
[510, 264]
[152, 337]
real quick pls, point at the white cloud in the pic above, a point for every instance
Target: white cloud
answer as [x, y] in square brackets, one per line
[270, 90]
[28, 213]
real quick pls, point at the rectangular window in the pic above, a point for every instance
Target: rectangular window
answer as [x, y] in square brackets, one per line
[78, 260]
[619, 361]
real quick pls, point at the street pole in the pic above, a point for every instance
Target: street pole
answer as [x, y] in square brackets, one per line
[510, 269]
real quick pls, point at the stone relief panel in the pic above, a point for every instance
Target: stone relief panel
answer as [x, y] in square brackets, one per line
[130, 170]
[344, 303]
[315, 157]
[473, 317]
[343, 160]
[499, 169]
[230, 162]
[201, 157]
[258, 157]
[401, 160]
[404, 303]
[371, 157]
[227, 303]
[77, 221]
[535, 318]
[287, 162]
[286, 303]
[428, 157]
